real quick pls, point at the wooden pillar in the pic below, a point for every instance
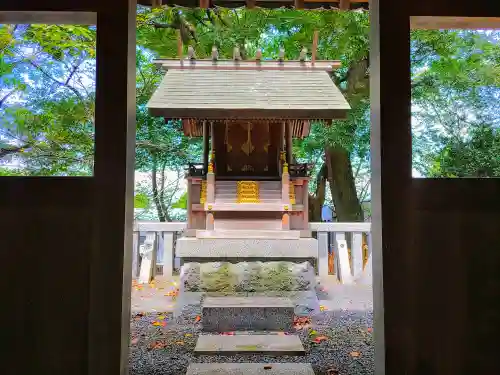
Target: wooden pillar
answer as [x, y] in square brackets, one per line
[282, 136]
[189, 202]
[135, 255]
[305, 204]
[299, 4]
[288, 142]
[206, 146]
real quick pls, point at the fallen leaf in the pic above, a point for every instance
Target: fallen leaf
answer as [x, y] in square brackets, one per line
[188, 335]
[180, 342]
[354, 354]
[322, 308]
[313, 332]
[161, 317]
[162, 323]
[157, 345]
[369, 330]
[197, 319]
[134, 341]
[320, 338]
[332, 371]
[268, 367]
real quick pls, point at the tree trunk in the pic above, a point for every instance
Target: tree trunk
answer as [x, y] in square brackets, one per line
[342, 185]
[162, 193]
[156, 195]
[317, 200]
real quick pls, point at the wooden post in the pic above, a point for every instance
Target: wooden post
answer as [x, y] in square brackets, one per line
[250, 4]
[204, 4]
[314, 47]
[179, 46]
[168, 253]
[285, 185]
[344, 270]
[206, 146]
[212, 135]
[156, 4]
[289, 143]
[357, 254]
[135, 255]
[299, 4]
[148, 258]
[189, 203]
[285, 221]
[305, 204]
[323, 254]
[345, 4]
[209, 221]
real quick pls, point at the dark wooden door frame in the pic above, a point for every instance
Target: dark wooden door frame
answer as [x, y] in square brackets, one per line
[403, 209]
[109, 194]
[102, 204]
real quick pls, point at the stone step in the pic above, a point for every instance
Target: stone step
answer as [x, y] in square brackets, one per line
[261, 248]
[233, 200]
[266, 207]
[270, 344]
[248, 233]
[227, 314]
[250, 369]
[247, 224]
[265, 193]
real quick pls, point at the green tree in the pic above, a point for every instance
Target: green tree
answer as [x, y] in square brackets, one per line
[47, 98]
[455, 88]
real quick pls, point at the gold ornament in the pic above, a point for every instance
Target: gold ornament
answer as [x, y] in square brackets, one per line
[285, 168]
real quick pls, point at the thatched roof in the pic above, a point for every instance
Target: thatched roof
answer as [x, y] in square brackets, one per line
[232, 91]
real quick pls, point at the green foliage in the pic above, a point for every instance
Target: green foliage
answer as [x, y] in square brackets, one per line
[181, 202]
[455, 85]
[47, 107]
[47, 80]
[476, 156]
[141, 200]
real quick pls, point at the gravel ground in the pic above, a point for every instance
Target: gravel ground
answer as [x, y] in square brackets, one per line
[348, 347]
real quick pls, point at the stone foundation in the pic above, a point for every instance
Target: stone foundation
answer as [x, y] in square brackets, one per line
[249, 277]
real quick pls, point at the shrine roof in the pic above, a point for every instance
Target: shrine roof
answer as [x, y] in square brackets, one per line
[248, 90]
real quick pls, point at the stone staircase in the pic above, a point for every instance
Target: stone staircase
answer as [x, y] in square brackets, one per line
[257, 324]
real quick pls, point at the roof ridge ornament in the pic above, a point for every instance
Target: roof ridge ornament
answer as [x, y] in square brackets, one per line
[303, 55]
[236, 53]
[281, 55]
[258, 55]
[191, 54]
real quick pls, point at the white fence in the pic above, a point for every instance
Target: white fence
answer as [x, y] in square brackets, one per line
[348, 244]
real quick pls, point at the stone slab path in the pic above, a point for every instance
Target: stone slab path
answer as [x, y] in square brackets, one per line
[250, 369]
[249, 344]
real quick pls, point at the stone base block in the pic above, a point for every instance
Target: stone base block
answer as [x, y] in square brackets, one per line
[250, 369]
[272, 344]
[227, 314]
[221, 248]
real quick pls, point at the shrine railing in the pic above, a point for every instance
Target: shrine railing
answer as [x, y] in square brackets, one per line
[344, 249]
[195, 170]
[299, 170]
